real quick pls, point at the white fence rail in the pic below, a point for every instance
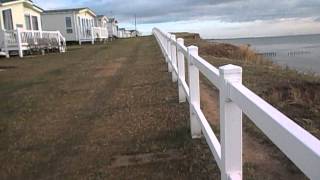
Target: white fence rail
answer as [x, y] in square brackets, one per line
[21, 39]
[297, 144]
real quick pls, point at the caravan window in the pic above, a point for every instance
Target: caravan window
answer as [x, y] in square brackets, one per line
[69, 25]
[7, 19]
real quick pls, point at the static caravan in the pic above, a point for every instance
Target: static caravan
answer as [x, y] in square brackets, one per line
[113, 27]
[75, 24]
[127, 34]
[134, 33]
[20, 14]
[101, 29]
[20, 24]
[121, 33]
[102, 21]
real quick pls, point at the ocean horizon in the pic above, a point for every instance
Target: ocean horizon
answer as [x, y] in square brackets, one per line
[300, 52]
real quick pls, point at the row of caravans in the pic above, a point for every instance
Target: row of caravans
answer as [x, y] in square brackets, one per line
[25, 25]
[123, 33]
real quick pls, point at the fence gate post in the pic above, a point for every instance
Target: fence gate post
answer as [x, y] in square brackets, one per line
[174, 58]
[194, 92]
[19, 42]
[230, 125]
[181, 71]
[169, 55]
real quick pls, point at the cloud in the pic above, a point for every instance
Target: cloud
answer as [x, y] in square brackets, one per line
[203, 15]
[179, 10]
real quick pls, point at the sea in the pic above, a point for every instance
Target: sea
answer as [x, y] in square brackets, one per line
[300, 52]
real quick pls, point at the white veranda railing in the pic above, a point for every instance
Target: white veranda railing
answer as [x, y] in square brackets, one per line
[297, 144]
[21, 39]
[99, 33]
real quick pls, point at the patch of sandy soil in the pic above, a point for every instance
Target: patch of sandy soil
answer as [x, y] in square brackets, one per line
[146, 158]
[110, 69]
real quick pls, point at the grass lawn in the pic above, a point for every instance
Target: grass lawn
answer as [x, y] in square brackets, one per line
[106, 111]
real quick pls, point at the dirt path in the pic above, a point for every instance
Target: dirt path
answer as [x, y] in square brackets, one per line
[97, 112]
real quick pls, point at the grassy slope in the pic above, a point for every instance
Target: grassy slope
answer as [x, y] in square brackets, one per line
[295, 94]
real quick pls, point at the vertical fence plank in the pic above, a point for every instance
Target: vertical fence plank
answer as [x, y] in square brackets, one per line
[194, 92]
[174, 58]
[181, 71]
[230, 125]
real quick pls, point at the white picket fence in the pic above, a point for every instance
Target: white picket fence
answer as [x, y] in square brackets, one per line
[297, 144]
[21, 39]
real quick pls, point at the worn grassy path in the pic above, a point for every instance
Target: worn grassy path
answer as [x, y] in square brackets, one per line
[96, 112]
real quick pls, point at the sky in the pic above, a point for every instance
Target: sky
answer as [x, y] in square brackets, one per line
[210, 18]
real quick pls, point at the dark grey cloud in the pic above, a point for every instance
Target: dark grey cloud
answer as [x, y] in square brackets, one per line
[268, 10]
[154, 11]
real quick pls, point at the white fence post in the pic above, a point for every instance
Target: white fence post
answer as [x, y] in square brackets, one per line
[230, 125]
[181, 71]
[169, 55]
[194, 93]
[165, 46]
[174, 58]
[19, 42]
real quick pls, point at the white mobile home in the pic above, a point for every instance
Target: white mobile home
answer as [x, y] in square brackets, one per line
[113, 27]
[101, 29]
[20, 24]
[102, 21]
[121, 33]
[75, 24]
[20, 14]
[134, 33]
[127, 34]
